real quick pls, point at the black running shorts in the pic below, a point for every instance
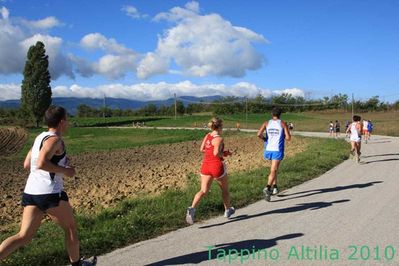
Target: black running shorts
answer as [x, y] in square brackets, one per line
[45, 201]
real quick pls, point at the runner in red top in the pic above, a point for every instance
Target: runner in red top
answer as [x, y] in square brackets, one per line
[213, 168]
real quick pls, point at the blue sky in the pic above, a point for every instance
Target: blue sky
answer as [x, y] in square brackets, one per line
[151, 49]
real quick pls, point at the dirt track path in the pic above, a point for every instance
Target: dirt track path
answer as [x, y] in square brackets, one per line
[353, 204]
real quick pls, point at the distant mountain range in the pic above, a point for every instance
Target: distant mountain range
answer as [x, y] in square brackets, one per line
[71, 104]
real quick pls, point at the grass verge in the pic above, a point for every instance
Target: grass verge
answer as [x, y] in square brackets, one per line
[149, 216]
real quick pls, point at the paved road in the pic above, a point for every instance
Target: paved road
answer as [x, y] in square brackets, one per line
[351, 205]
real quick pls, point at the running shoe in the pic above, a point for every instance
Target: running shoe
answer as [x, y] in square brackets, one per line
[352, 154]
[229, 212]
[88, 262]
[358, 158]
[190, 215]
[267, 194]
[275, 191]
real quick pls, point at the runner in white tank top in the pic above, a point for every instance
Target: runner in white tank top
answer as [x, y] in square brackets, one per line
[44, 193]
[42, 182]
[276, 133]
[355, 131]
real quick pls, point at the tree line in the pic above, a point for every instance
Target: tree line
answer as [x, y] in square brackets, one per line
[235, 105]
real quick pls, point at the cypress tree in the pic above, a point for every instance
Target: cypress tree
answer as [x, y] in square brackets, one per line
[36, 90]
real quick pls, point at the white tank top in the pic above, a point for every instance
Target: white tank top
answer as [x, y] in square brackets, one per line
[274, 136]
[365, 124]
[355, 136]
[40, 181]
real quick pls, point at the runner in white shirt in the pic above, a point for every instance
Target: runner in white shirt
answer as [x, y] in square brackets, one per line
[44, 191]
[277, 133]
[355, 130]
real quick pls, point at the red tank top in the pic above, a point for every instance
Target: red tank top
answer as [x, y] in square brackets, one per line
[208, 149]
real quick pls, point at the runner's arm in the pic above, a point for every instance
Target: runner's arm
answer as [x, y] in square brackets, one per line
[261, 131]
[203, 143]
[286, 131]
[217, 142]
[50, 146]
[27, 160]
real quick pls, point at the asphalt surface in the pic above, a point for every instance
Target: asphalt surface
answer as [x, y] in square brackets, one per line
[347, 216]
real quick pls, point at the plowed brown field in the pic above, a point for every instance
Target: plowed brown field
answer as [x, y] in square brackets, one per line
[104, 178]
[12, 140]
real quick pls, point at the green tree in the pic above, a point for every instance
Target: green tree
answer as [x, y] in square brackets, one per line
[84, 110]
[36, 90]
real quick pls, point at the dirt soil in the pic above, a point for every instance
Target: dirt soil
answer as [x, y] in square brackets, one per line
[104, 178]
[12, 140]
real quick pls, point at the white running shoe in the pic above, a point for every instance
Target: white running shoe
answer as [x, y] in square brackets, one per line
[229, 212]
[88, 262]
[267, 193]
[275, 191]
[190, 215]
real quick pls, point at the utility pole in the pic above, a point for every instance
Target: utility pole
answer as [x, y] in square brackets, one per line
[246, 112]
[353, 99]
[175, 107]
[104, 107]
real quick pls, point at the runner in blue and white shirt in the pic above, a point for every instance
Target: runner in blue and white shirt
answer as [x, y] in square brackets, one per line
[277, 133]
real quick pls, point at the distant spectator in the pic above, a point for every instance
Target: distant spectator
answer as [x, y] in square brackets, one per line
[337, 128]
[331, 128]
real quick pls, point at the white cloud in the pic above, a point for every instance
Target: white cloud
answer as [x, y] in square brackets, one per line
[10, 91]
[132, 12]
[294, 92]
[99, 41]
[153, 91]
[163, 90]
[5, 13]
[193, 6]
[203, 45]
[152, 63]
[118, 61]
[42, 24]
[17, 35]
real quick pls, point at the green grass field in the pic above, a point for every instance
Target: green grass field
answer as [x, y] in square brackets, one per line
[79, 140]
[148, 216]
[385, 123]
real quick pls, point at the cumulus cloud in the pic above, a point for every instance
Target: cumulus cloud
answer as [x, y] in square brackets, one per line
[203, 45]
[153, 91]
[42, 24]
[132, 12]
[99, 41]
[293, 91]
[117, 61]
[152, 63]
[16, 36]
[10, 91]
[4, 13]
[164, 90]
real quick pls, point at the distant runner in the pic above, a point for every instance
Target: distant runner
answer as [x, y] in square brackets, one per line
[355, 130]
[276, 134]
[366, 130]
[370, 128]
[213, 168]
